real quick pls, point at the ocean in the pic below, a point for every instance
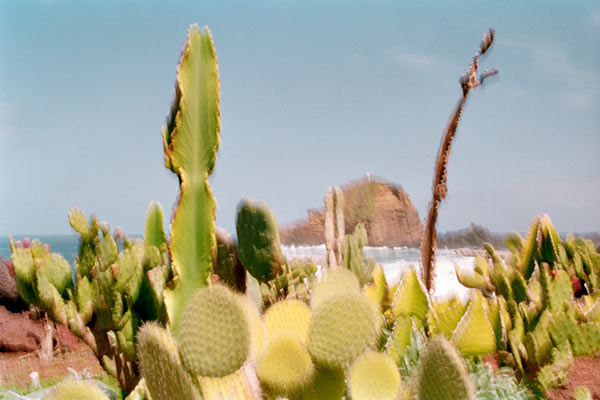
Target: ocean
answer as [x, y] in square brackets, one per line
[394, 260]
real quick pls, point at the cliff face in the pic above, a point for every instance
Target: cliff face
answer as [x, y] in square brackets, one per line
[384, 208]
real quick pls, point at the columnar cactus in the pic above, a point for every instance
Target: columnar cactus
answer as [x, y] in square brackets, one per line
[334, 225]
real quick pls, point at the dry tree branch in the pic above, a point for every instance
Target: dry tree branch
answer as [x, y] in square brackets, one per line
[467, 81]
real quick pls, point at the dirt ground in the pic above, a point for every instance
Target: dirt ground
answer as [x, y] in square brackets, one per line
[585, 371]
[20, 355]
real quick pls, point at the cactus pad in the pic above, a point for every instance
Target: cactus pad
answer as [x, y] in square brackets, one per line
[335, 281]
[160, 365]
[242, 384]
[327, 384]
[442, 373]
[215, 336]
[374, 376]
[285, 366]
[259, 247]
[342, 327]
[76, 390]
[400, 337]
[291, 316]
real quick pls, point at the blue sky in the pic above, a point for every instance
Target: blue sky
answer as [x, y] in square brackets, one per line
[313, 94]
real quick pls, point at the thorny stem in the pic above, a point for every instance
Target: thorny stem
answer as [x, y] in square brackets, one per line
[467, 81]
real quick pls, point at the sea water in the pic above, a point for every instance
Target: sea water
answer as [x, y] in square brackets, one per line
[394, 260]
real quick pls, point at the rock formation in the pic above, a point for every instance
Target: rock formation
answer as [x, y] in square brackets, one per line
[384, 207]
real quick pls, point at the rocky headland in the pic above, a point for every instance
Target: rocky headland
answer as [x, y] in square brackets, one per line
[383, 207]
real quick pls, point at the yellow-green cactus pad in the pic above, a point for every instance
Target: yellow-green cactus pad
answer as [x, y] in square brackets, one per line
[285, 366]
[291, 316]
[474, 334]
[342, 327]
[241, 385]
[215, 336]
[400, 337]
[442, 373]
[446, 315]
[335, 281]
[410, 297]
[160, 365]
[374, 376]
[256, 325]
[76, 390]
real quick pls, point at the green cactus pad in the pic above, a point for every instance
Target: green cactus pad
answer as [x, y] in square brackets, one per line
[154, 234]
[528, 252]
[561, 327]
[374, 376]
[24, 268]
[342, 327]
[215, 336]
[560, 291]
[473, 280]
[291, 316]
[190, 143]
[327, 384]
[58, 271]
[76, 390]
[474, 334]
[259, 247]
[79, 223]
[519, 288]
[160, 365]
[442, 373]
[585, 339]
[335, 281]
[285, 366]
[410, 297]
[49, 298]
[377, 291]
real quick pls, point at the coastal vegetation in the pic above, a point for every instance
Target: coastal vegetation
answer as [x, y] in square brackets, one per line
[195, 315]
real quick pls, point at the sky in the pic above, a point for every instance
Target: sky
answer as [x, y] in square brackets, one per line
[312, 94]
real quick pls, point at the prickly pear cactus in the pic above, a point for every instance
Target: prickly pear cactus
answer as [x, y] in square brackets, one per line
[215, 336]
[442, 373]
[410, 297]
[285, 366]
[259, 246]
[288, 316]
[76, 390]
[374, 376]
[334, 281]
[190, 142]
[342, 327]
[161, 367]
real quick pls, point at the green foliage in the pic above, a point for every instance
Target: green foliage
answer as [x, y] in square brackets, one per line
[327, 384]
[259, 246]
[474, 334]
[374, 376]
[190, 141]
[499, 385]
[442, 373]
[227, 266]
[154, 234]
[215, 336]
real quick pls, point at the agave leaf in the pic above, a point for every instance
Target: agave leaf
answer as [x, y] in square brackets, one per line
[191, 140]
[155, 233]
[447, 315]
[474, 334]
[410, 297]
[529, 249]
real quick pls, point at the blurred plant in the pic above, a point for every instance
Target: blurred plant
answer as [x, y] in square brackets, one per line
[468, 81]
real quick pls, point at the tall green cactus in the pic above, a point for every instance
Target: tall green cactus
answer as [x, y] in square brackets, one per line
[191, 141]
[259, 246]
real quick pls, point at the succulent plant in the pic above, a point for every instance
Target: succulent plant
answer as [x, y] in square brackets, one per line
[259, 246]
[215, 336]
[372, 376]
[161, 366]
[190, 142]
[288, 316]
[442, 373]
[76, 390]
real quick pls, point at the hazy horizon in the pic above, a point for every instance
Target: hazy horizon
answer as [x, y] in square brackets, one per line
[313, 94]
